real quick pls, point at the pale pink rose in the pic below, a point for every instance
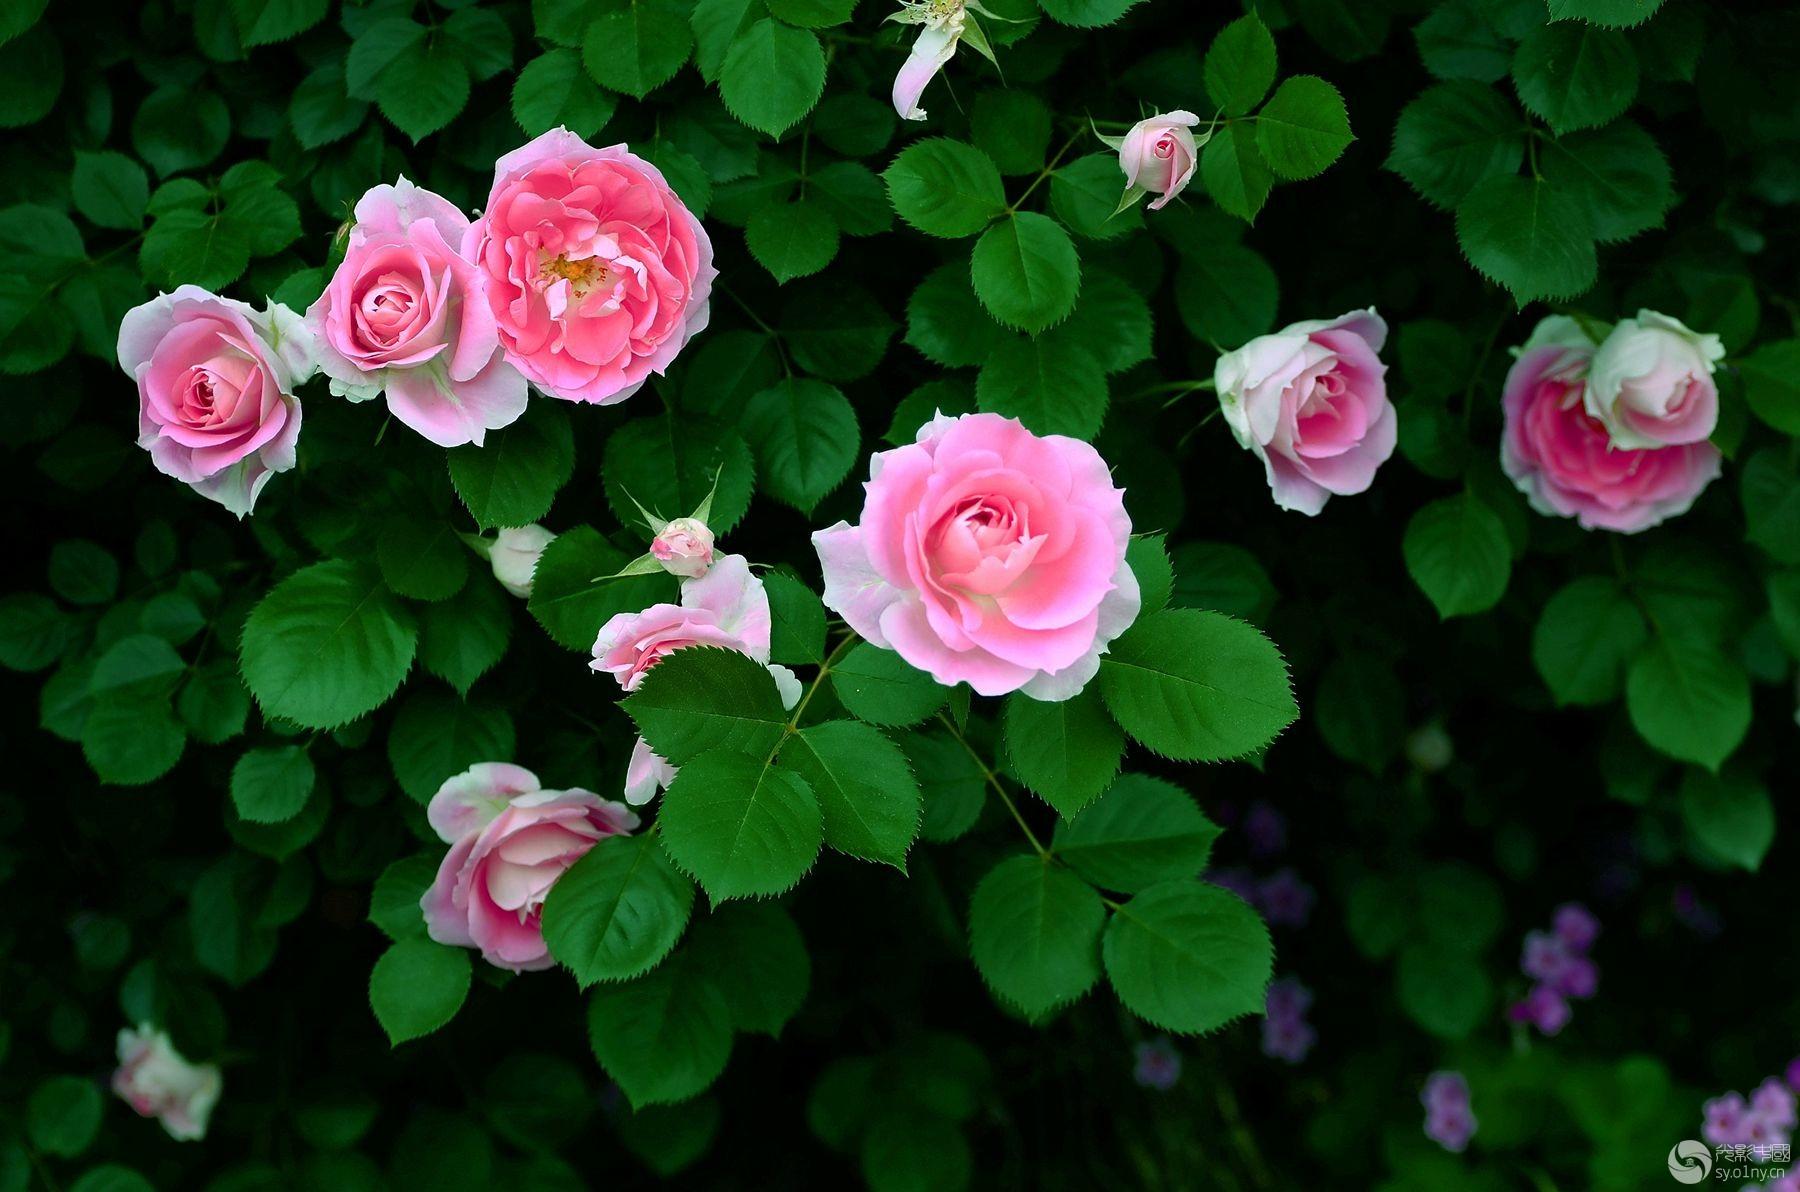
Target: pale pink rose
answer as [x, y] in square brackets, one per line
[405, 315]
[647, 773]
[1158, 155]
[727, 607]
[514, 555]
[1651, 383]
[1562, 457]
[1311, 402]
[987, 555]
[945, 22]
[597, 274]
[509, 842]
[216, 378]
[156, 1081]
[684, 547]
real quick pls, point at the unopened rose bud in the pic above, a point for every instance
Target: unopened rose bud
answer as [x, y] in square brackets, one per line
[514, 556]
[684, 547]
[1430, 749]
[1158, 155]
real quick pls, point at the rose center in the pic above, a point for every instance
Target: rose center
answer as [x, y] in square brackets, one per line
[1165, 146]
[584, 275]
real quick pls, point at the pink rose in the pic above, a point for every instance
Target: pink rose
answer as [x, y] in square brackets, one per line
[987, 555]
[597, 274]
[404, 314]
[944, 24]
[514, 556]
[509, 842]
[1562, 457]
[728, 608]
[1651, 382]
[1311, 402]
[1158, 155]
[156, 1081]
[684, 547]
[215, 378]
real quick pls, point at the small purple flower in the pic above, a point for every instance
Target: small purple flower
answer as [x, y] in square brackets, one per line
[1774, 1103]
[1265, 829]
[1288, 999]
[1285, 899]
[1286, 1035]
[1726, 1120]
[1576, 926]
[1543, 1008]
[1793, 1074]
[1544, 956]
[1449, 1118]
[1158, 1064]
[1238, 881]
[1579, 978]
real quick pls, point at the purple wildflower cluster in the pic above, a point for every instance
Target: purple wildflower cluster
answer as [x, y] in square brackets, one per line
[1449, 1120]
[1557, 961]
[1284, 898]
[1762, 1122]
[1286, 1035]
[1158, 1064]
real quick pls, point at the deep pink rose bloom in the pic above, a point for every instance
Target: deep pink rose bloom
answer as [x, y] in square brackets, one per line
[1158, 155]
[405, 314]
[1311, 402]
[215, 378]
[727, 607]
[987, 555]
[1564, 461]
[509, 842]
[597, 274]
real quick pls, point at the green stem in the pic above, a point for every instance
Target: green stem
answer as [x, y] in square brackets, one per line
[993, 780]
[1045, 173]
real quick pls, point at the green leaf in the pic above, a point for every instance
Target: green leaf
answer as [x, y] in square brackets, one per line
[271, 785]
[62, 1117]
[1112, 321]
[1085, 194]
[880, 687]
[192, 247]
[1688, 699]
[1067, 752]
[322, 111]
[1771, 495]
[835, 329]
[637, 47]
[420, 559]
[700, 698]
[463, 638]
[797, 632]
[573, 594]
[1361, 710]
[1188, 957]
[1617, 174]
[1026, 272]
[31, 71]
[1612, 14]
[514, 476]
[111, 1177]
[1457, 552]
[772, 75]
[553, 91]
[665, 1036]
[180, 128]
[792, 239]
[952, 781]
[1240, 65]
[1730, 815]
[1197, 686]
[945, 188]
[1303, 128]
[265, 22]
[854, 195]
[1452, 137]
[758, 959]
[83, 572]
[1575, 76]
[1226, 294]
[806, 439]
[1013, 129]
[945, 322]
[1141, 831]
[213, 704]
[110, 190]
[424, 88]
[1052, 384]
[1458, 41]
[812, 14]
[669, 462]
[1236, 176]
[907, 1149]
[1528, 236]
[436, 736]
[1585, 636]
[327, 645]
[33, 631]
[618, 911]
[1086, 14]
[865, 789]
[1034, 933]
[717, 24]
[394, 900]
[740, 827]
[1772, 384]
[1443, 989]
[416, 987]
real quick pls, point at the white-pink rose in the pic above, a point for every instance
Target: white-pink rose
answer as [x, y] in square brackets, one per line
[157, 1081]
[596, 272]
[1158, 156]
[405, 314]
[727, 607]
[1311, 402]
[514, 556]
[1651, 383]
[216, 378]
[988, 555]
[510, 841]
[684, 547]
